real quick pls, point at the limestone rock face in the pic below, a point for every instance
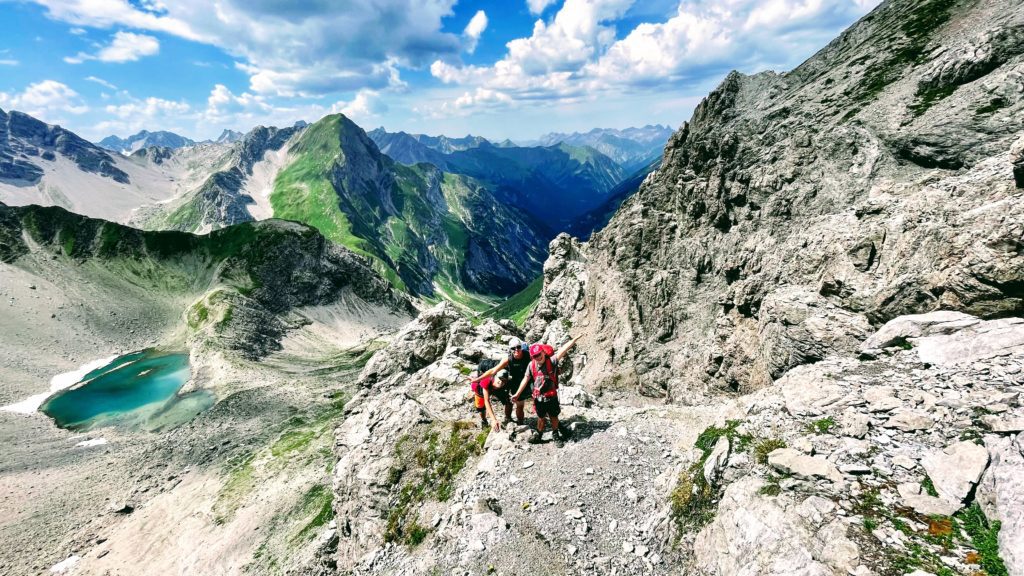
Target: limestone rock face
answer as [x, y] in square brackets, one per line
[24, 138]
[987, 340]
[899, 330]
[1006, 475]
[752, 534]
[418, 344]
[795, 210]
[956, 469]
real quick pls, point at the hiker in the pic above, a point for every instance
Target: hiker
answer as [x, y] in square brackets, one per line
[543, 379]
[516, 362]
[486, 391]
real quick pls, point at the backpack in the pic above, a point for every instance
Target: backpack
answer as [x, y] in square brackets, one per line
[484, 365]
[545, 379]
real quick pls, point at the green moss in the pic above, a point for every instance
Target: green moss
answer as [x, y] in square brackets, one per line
[318, 501]
[428, 471]
[928, 97]
[709, 437]
[929, 487]
[692, 501]
[765, 447]
[923, 549]
[240, 482]
[197, 315]
[292, 441]
[821, 425]
[917, 26]
[771, 487]
[984, 537]
[994, 105]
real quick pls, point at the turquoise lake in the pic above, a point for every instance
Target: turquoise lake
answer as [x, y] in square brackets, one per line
[137, 391]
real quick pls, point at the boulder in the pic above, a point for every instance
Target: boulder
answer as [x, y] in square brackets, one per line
[418, 344]
[975, 342]
[716, 461]
[1003, 487]
[799, 464]
[900, 330]
[924, 503]
[1003, 424]
[909, 421]
[956, 470]
[575, 396]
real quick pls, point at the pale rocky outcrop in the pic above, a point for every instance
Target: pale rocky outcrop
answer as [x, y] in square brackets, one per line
[976, 342]
[1003, 488]
[956, 469]
[752, 534]
[793, 462]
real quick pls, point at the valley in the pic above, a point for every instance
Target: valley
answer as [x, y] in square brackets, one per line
[793, 327]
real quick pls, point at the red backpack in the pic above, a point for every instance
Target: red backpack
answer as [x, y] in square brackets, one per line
[545, 379]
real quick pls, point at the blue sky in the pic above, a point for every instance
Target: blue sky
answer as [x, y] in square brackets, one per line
[502, 69]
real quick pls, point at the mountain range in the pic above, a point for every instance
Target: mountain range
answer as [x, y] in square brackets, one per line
[145, 139]
[554, 184]
[794, 340]
[459, 218]
[631, 148]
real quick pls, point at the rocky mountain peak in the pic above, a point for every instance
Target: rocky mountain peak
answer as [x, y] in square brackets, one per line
[795, 211]
[27, 143]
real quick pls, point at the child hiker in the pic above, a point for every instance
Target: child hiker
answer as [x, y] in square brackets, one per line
[542, 376]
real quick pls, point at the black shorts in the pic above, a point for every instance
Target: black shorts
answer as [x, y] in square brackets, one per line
[547, 407]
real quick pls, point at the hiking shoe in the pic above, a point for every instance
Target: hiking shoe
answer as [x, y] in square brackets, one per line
[534, 438]
[565, 433]
[483, 425]
[559, 443]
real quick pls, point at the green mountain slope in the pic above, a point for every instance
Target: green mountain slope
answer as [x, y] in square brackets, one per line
[429, 232]
[236, 282]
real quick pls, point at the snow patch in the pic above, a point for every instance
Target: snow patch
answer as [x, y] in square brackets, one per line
[65, 566]
[260, 184]
[92, 442]
[59, 382]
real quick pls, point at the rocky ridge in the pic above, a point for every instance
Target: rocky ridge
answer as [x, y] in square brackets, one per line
[241, 282]
[874, 463]
[222, 199]
[23, 139]
[797, 212]
[145, 139]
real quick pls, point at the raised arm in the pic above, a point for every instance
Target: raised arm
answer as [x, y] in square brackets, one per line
[492, 371]
[564, 349]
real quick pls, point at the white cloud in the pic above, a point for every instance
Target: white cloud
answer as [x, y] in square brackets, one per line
[149, 108]
[365, 106]
[77, 31]
[291, 48]
[101, 82]
[123, 47]
[474, 29]
[46, 100]
[538, 6]
[577, 54]
[9, 62]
